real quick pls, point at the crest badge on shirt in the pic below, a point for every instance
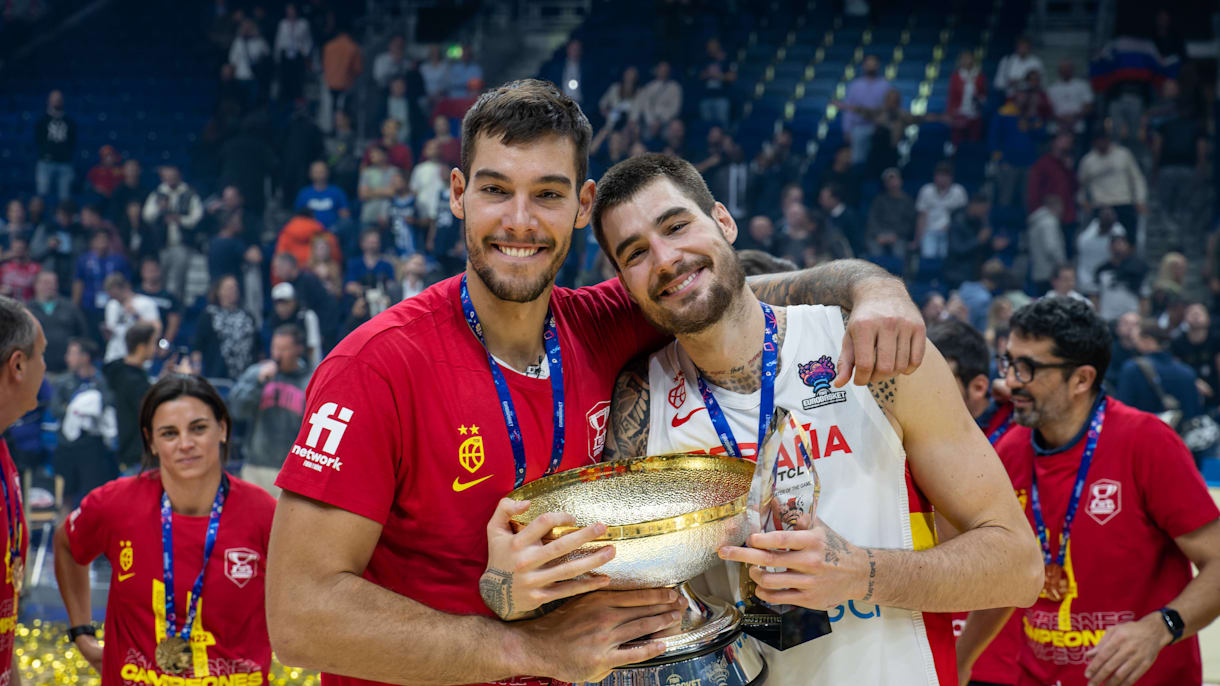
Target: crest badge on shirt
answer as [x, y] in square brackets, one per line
[677, 394]
[240, 565]
[819, 374]
[1105, 500]
[597, 418]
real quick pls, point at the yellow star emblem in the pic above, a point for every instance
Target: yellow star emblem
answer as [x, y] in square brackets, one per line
[474, 429]
[462, 430]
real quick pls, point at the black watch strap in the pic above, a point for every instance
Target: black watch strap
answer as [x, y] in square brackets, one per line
[82, 630]
[1173, 622]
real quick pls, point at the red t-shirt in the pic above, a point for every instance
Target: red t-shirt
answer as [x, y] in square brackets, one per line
[1142, 491]
[403, 426]
[122, 520]
[8, 598]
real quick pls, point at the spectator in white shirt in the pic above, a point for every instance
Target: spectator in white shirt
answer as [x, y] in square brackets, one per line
[1071, 99]
[660, 100]
[293, 46]
[1013, 68]
[619, 100]
[428, 179]
[125, 308]
[1063, 283]
[392, 63]
[435, 73]
[1109, 176]
[247, 55]
[1093, 248]
[1046, 249]
[935, 204]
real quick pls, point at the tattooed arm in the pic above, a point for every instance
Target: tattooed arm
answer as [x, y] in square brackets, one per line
[885, 335]
[627, 429]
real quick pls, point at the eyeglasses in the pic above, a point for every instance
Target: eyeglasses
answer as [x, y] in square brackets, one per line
[1024, 368]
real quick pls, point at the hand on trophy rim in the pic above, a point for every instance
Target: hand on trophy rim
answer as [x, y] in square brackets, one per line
[523, 570]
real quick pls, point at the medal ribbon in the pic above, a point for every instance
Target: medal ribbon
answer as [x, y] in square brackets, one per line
[770, 359]
[13, 519]
[1000, 430]
[550, 341]
[1090, 445]
[167, 544]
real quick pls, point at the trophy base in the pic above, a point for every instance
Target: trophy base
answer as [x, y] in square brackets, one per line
[732, 660]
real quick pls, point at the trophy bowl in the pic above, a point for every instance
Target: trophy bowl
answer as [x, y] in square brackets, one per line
[665, 515]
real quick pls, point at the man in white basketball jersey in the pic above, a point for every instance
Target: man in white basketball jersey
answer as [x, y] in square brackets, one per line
[887, 454]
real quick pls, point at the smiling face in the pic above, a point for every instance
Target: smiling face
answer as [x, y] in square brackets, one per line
[675, 261]
[520, 205]
[185, 436]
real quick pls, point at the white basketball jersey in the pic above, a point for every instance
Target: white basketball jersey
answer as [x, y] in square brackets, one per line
[866, 496]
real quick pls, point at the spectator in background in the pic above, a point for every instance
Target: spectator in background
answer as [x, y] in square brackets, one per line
[397, 154]
[427, 179]
[287, 309]
[718, 75]
[106, 175]
[92, 270]
[435, 73]
[660, 100]
[376, 189]
[970, 237]
[128, 379]
[169, 307]
[759, 235]
[55, 139]
[398, 107]
[327, 202]
[342, 153]
[978, 295]
[60, 319]
[251, 59]
[461, 72]
[731, 181]
[1012, 69]
[124, 308]
[1179, 164]
[172, 212]
[392, 63]
[293, 47]
[1044, 238]
[932, 307]
[1198, 347]
[571, 76]
[1071, 99]
[226, 337]
[891, 222]
[1120, 280]
[408, 228]
[53, 245]
[310, 292]
[327, 264]
[865, 92]
[300, 144]
[91, 221]
[219, 210]
[449, 145]
[841, 171]
[297, 236]
[1140, 376]
[1168, 287]
[1063, 283]
[618, 103]
[935, 205]
[132, 229]
[247, 161]
[271, 394]
[413, 275]
[16, 226]
[1016, 131]
[129, 189]
[840, 218]
[84, 405]
[370, 270]
[1093, 248]
[1053, 174]
[807, 242]
[342, 64]
[967, 93]
[1110, 177]
[226, 252]
[18, 272]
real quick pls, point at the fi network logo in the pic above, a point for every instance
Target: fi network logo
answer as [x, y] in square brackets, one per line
[324, 419]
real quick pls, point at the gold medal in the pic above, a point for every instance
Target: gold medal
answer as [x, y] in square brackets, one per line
[173, 655]
[1056, 586]
[18, 571]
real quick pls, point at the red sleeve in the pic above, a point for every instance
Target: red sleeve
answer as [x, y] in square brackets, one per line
[87, 524]
[348, 451]
[606, 313]
[1173, 491]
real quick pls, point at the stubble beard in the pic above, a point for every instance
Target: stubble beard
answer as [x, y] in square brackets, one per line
[712, 305]
[522, 289]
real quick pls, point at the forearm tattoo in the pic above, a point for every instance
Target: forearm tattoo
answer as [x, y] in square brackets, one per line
[496, 587]
[826, 284]
[627, 432]
[872, 574]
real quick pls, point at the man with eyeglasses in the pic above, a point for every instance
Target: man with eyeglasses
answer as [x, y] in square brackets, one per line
[1118, 507]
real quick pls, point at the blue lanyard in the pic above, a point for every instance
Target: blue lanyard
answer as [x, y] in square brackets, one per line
[770, 359]
[167, 544]
[12, 518]
[995, 436]
[550, 340]
[1086, 459]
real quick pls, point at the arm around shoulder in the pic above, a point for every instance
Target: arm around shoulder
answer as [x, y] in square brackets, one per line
[627, 431]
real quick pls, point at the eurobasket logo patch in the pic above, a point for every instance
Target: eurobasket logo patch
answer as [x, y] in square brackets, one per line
[819, 374]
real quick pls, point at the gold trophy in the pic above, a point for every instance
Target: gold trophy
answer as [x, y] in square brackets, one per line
[666, 517]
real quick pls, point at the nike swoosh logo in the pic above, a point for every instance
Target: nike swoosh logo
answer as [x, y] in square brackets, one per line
[125, 577]
[679, 421]
[458, 486]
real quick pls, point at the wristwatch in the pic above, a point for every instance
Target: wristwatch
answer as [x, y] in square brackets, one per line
[82, 630]
[1173, 622]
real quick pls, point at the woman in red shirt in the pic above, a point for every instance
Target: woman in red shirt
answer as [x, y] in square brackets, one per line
[187, 544]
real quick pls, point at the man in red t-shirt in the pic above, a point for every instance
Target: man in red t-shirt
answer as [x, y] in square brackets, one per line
[1119, 508]
[420, 421]
[22, 367]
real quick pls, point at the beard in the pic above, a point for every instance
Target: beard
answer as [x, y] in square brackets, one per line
[1038, 412]
[707, 307]
[513, 287]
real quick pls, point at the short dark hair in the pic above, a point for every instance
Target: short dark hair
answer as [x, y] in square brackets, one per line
[627, 178]
[835, 189]
[139, 334]
[172, 387]
[17, 331]
[87, 346]
[525, 111]
[755, 262]
[1079, 335]
[292, 330]
[963, 345]
[1150, 328]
